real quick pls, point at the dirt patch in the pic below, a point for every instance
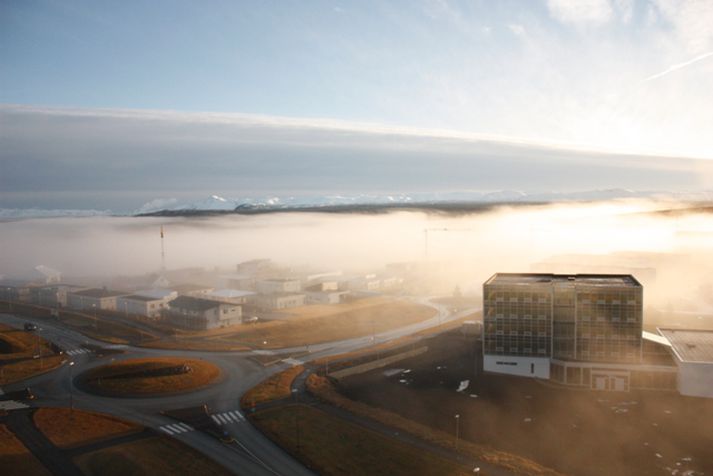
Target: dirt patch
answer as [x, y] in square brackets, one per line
[152, 456]
[157, 376]
[18, 350]
[68, 428]
[578, 432]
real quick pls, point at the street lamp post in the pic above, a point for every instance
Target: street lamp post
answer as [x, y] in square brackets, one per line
[457, 417]
[71, 384]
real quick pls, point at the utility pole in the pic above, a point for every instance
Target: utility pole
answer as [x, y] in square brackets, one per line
[457, 417]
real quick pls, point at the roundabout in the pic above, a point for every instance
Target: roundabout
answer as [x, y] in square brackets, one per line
[149, 377]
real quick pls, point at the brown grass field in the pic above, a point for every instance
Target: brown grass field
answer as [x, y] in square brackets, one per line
[345, 359]
[68, 428]
[109, 379]
[332, 446]
[322, 388]
[315, 324]
[153, 456]
[15, 459]
[17, 349]
[274, 387]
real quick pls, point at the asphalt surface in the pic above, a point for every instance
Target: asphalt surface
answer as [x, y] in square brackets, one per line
[252, 453]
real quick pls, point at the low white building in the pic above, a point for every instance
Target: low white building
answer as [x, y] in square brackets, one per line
[202, 314]
[325, 297]
[692, 350]
[149, 306]
[93, 299]
[278, 286]
[233, 296]
[271, 302]
[368, 282]
[238, 281]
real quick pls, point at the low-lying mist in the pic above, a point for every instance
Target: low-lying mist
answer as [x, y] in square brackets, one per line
[671, 253]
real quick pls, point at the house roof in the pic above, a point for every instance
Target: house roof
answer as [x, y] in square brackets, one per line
[98, 293]
[194, 304]
[139, 297]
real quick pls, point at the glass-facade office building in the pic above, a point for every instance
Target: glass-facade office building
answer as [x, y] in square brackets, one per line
[578, 329]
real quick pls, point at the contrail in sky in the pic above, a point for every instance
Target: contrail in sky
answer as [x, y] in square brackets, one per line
[678, 66]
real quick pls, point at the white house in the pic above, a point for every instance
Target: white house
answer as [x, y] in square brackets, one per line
[93, 299]
[278, 285]
[149, 306]
[279, 301]
[202, 314]
[233, 296]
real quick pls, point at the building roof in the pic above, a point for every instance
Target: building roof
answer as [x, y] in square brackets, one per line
[187, 288]
[139, 297]
[547, 278]
[194, 304]
[658, 339]
[98, 293]
[236, 276]
[229, 293]
[156, 293]
[690, 345]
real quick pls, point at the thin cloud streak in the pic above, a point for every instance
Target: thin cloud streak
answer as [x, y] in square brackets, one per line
[678, 66]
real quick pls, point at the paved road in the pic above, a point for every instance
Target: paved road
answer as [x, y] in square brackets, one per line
[253, 453]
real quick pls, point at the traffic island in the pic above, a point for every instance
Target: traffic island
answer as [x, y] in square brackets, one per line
[149, 377]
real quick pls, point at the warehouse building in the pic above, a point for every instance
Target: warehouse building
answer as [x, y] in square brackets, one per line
[693, 353]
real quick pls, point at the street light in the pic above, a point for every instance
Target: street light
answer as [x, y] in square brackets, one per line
[457, 417]
[71, 384]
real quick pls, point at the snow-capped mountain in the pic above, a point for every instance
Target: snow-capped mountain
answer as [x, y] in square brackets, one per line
[218, 203]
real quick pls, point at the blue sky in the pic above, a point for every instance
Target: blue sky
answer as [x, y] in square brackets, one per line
[614, 76]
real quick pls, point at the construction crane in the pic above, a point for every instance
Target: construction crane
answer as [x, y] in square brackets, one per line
[425, 236]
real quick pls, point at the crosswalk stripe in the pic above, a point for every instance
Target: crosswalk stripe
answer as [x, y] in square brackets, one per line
[187, 427]
[229, 417]
[165, 429]
[176, 428]
[223, 419]
[215, 419]
[237, 415]
[12, 405]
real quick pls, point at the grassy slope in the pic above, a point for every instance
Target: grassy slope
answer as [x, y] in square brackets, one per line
[67, 428]
[274, 387]
[154, 456]
[15, 459]
[335, 447]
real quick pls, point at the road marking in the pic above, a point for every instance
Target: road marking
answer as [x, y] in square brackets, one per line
[226, 418]
[263, 352]
[176, 428]
[77, 351]
[12, 405]
[292, 361]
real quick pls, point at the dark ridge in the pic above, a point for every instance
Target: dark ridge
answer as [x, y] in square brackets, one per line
[453, 208]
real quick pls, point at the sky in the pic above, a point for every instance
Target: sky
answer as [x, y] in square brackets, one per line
[142, 99]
